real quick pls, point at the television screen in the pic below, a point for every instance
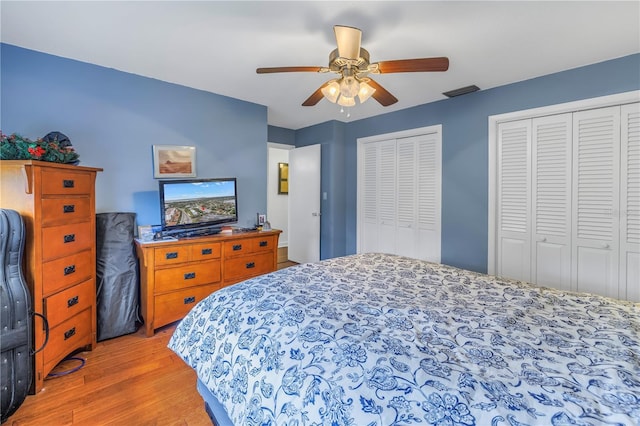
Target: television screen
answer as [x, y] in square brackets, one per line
[198, 203]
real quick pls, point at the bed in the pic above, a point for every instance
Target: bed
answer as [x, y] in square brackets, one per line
[376, 339]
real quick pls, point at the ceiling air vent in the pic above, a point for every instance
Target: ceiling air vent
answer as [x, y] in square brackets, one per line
[461, 91]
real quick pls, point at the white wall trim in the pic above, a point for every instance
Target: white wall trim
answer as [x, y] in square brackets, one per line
[495, 120]
[280, 145]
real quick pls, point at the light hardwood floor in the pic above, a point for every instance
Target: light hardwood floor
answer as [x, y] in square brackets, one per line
[129, 380]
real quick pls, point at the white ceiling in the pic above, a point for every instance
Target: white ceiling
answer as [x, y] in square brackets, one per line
[217, 45]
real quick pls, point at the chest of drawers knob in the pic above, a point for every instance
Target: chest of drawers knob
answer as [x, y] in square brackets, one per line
[73, 301]
[69, 333]
[69, 208]
[68, 183]
[69, 238]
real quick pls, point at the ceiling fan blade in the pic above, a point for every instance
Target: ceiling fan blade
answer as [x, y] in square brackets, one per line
[348, 40]
[381, 94]
[315, 97]
[414, 65]
[288, 69]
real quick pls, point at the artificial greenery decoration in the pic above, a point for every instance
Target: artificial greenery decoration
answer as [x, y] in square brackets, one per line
[16, 147]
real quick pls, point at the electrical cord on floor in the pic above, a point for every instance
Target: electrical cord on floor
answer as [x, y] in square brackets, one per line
[53, 375]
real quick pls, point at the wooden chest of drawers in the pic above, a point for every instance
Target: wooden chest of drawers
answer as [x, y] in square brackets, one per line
[174, 276]
[57, 203]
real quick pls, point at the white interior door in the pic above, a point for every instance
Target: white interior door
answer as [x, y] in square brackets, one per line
[551, 201]
[514, 200]
[630, 203]
[304, 204]
[596, 169]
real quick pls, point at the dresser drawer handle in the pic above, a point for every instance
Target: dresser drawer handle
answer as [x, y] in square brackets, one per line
[263, 243]
[188, 300]
[72, 301]
[237, 247]
[69, 238]
[251, 265]
[171, 255]
[207, 251]
[68, 183]
[189, 275]
[69, 333]
[70, 269]
[69, 208]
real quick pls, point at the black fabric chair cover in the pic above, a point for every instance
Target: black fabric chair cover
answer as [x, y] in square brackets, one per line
[117, 276]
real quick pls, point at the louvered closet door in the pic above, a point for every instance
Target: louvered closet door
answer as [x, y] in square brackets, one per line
[369, 198]
[379, 197]
[429, 194]
[514, 200]
[551, 201]
[630, 203]
[406, 189]
[418, 189]
[596, 177]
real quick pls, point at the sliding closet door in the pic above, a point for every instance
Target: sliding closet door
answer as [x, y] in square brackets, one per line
[596, 178]
[514, 200]
[551, 201]
[630, 203]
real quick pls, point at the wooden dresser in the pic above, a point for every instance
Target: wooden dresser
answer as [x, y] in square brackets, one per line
[175, 275]
[57, 204]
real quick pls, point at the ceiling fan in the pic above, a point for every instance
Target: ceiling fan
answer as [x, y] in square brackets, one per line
[351, 62]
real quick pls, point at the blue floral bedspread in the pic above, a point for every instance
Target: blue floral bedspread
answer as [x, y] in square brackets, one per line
[385, 340]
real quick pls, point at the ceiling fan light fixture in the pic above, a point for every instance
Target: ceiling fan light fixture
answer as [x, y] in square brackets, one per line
[365, 92]
[349, 87]
[331, 91]
[346, 101]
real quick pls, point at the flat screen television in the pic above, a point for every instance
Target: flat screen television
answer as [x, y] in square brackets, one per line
[197, 206]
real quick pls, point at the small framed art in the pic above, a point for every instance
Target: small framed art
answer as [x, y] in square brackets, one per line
[283, 178]
[174, 161]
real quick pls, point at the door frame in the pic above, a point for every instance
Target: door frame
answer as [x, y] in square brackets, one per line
[495, 120]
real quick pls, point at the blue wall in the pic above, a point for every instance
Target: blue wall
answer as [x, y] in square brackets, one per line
[464, 152]
[113, 119]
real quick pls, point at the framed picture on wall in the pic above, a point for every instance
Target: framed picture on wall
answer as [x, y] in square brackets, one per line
[174, 161]
[283, 178]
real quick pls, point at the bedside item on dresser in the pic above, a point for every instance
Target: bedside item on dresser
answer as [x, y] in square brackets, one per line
[116, 275]
[57, 203]
[175, 276]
